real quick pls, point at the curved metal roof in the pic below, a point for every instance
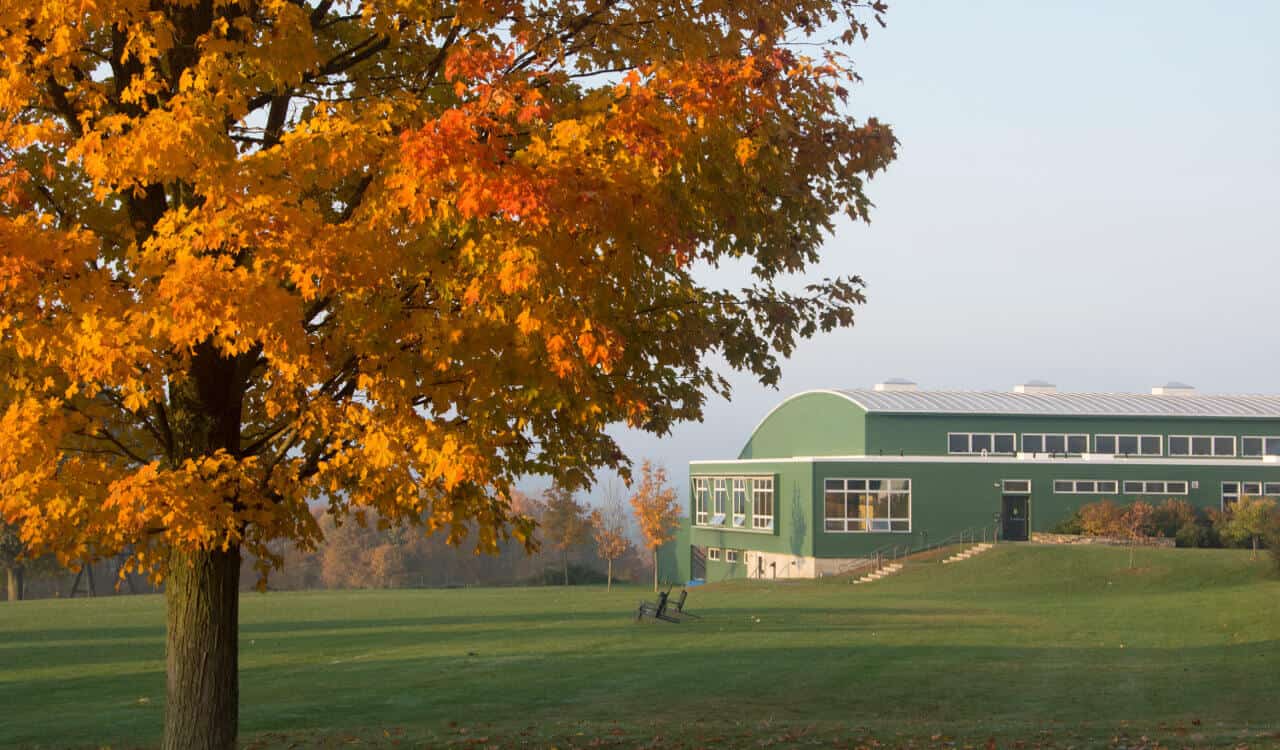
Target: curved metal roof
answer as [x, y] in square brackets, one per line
[1065, 404]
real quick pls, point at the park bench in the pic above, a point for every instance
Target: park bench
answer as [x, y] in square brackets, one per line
[678, 605]
[658, 610]
[664, 609]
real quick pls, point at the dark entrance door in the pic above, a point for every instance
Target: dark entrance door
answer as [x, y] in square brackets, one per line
[698, 563]
[1013, 518]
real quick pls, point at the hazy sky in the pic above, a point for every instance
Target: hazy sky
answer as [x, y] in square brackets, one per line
[1085, 193]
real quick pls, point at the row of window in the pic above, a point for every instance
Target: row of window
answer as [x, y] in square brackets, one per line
[983, 443]
[866, 505]
[752, 502]
[1127, 487]
[728, 555]
[1233, 491]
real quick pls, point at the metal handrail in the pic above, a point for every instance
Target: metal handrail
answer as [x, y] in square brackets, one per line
[893, 551]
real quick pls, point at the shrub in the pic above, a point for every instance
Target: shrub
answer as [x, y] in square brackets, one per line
[1273, 540]
[1195, 535]
[1103, 518]
[1171, 516]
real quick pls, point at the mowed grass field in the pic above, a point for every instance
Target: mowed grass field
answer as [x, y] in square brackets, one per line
[1050, 646]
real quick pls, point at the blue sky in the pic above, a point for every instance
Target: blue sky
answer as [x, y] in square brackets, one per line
[1085, 193]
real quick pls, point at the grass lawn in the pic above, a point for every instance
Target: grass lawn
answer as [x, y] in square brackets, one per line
[1044, 645]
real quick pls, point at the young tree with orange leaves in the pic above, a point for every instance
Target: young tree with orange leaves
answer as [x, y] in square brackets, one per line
[609, 528]
[387, 257]
[564, 523]
[657, 511]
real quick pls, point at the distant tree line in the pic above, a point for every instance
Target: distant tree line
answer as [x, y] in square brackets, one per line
[578, 545]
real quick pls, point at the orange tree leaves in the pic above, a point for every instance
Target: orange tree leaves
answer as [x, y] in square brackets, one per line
[390, 256]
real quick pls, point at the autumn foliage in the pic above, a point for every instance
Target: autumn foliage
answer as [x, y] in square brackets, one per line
[656, 509]
[388, 257]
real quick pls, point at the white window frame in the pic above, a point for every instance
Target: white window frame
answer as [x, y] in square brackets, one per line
[848, 488]
[1227, 499]
[739, 494]
[1097, 487]
[719, 499]
[1213, 446]
[1262, 447]
[1162, 490]
[1116, 437]
[761, 521]
[1016, 486]
[1066, 442]
[713, 553]
[969, 451]
[1271, 489]
[701, 499]
[731, 556]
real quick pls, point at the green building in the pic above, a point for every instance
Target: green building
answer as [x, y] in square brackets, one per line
[830, 477]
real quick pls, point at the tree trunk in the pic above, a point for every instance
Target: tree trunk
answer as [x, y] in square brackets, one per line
[202, 690]
[1254, 554]
[608, 586]
[14, 580]
[655, 569]
[565, 558]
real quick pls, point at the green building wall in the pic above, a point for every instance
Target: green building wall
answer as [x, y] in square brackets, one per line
[926, 434]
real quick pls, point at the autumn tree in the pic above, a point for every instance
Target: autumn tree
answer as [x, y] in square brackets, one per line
[609, 528]
[387, 257]
[657, 510]
[1136, 523]
[11, 560]
[1102, 518]
[1247, 520]
[565, 522]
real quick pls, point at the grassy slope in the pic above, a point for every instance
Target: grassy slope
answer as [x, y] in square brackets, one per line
[1010, 643]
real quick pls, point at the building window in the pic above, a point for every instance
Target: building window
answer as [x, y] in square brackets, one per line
[1271, 489]
[701, 496]
[1016, 485]
[713, 553]
[1156, 487]
[731, 555]
[1054, 443]
[979, 443]
[719, 498]
[739, 503]
[867, 505]
[1127, 445]
[1084, 486]
[1230, 494]
[1251, 489]
[1202, 445]
[762, 499]
[1252, 445]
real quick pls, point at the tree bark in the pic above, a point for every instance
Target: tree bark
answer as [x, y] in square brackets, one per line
[655, 569]
[14, 580]
[565, 558]
[202, 690]
[608, 586]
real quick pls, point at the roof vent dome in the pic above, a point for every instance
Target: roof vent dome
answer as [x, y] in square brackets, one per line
[1036, 387]
[1173, 388]
[897, 384]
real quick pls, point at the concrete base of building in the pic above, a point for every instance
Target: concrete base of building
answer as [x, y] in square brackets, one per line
[771, 565]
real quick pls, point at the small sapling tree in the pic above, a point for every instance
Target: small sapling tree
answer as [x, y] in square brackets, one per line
[656, 509]
[609, 527]
[564, 522]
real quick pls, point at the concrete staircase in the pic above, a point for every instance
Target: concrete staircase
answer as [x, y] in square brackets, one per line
[887, 570]
[976, 549]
